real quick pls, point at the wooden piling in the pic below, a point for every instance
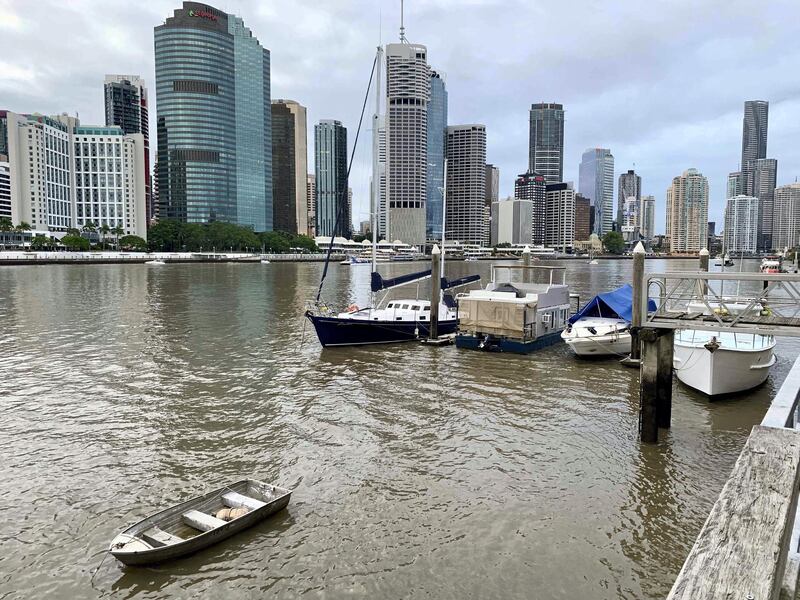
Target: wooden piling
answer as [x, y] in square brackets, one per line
[704, 268]
[436, 282]
[655, 382]
[526, 260]
[639, 300]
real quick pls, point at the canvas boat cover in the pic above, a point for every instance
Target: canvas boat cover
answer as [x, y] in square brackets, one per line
[616, 303]
[509, 319]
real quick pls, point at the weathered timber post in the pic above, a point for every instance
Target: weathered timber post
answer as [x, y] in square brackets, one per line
[648, 386]
[704, 267]
[526, 260]
[639, 300]
[666, 347]
[436, 282]
[655, 382]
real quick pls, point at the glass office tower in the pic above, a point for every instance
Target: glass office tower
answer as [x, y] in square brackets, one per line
[437, 124]
[214, 119]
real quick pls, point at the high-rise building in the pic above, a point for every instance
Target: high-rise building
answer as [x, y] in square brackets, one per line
[532, 187]
[734, 184]
[741, 224]
[754, 131]
[492, 195]
[629, 186]
[330, 153]
[408, 88]
[466, 183]
[559, 216]
[647, 221]
[5, 190]
[63, 175]
[383, 209]
[289, 167]
[786, 217]
[546, 144]
[762, 177]
[511, 222]
[311, 203]
[687, 212]
[437, 126]
[583, 223]
[214, 119]
[126, 107]
[596, 182]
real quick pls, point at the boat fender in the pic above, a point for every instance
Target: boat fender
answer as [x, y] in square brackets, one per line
[352, 308]
[712, 345]
[721, 311]
[767, 312]
[229, 514]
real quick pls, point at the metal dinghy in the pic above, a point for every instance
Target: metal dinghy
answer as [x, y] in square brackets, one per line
[191, 526]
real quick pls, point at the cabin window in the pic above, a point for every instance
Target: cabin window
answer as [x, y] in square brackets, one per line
[415, 307]
[426, 308]
[404, 307]
[390, 305]
[398, 318]
[422, 317]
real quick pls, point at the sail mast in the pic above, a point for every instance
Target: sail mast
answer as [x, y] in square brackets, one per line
[376, 186]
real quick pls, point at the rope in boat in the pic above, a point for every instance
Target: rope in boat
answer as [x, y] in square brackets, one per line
[347, 178]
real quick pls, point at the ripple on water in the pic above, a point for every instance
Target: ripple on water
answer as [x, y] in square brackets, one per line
[418, 471]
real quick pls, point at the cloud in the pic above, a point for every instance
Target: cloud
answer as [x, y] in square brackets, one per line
[661, 83]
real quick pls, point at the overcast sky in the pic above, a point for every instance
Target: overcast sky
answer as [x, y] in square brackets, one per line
[661, 83]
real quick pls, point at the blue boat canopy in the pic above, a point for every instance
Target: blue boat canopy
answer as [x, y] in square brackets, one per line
[616, 303]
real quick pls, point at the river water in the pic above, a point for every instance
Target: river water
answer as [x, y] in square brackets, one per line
[418, 472]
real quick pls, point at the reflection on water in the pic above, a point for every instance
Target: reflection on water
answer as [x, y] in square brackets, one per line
[419, 471]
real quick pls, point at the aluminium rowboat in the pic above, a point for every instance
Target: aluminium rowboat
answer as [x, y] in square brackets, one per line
[198, 523]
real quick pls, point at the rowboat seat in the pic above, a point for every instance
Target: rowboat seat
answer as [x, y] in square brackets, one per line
[202, 521]
[158, 537]
[235, 500]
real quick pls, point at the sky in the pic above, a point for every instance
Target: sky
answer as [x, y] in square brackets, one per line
[661, 83]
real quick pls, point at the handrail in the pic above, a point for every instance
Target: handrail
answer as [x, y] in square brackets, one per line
[783, 410]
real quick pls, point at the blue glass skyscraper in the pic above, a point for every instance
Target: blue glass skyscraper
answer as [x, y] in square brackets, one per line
[437, 127]
[214, 119]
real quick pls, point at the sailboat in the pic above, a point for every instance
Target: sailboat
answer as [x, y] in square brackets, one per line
[402, 320]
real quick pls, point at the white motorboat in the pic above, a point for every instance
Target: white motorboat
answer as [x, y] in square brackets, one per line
[155, 261]
[264, 261]
[718, 363]
[602, 326]
[598, 336]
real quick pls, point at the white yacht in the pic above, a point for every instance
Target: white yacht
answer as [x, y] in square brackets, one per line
[718, 363]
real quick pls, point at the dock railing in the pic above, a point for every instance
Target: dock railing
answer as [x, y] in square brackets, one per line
[749, 547]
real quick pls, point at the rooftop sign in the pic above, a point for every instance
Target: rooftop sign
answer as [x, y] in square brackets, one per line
[205, 14]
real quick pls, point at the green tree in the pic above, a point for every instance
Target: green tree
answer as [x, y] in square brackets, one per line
[117, 231]
[75, 242]
[40, 242]
[613, 242]
[89, 227]
[5, 226]
[73, 231]
[308, 244]
[104, 231]
[274, 241]
[132, 242]
[23, 226]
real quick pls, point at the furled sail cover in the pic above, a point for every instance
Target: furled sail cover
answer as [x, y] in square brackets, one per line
[616, 303]
[453, 283]
[379, 283]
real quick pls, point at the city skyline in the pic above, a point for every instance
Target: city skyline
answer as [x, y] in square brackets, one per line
[627, 110]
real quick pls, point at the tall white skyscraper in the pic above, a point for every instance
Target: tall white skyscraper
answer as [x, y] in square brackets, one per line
[596, 182]
[648, 217]
[687, 212]
[407, 94]
[466, 183]
[741, 224]
[559, 231]
[786, 217]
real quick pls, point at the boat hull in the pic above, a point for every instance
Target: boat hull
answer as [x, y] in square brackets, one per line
[474, 342]
[724, 371]
[336, 331]
[168, 517]
[601, 345]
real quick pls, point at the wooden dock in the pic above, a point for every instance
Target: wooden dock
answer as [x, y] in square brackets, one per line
[748, 547]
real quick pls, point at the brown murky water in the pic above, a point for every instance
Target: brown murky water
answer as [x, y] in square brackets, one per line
[419, 472]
